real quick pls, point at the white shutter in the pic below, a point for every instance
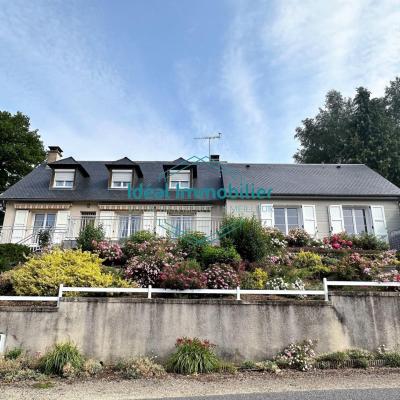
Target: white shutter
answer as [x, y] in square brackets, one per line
[106, 220]
[379, 222]
[19, 228]
[148, 221]
[65, 175]
[309, 219]
[267, 215]
[203, 223]
[162, 227]
[336, 219]
[61, 227]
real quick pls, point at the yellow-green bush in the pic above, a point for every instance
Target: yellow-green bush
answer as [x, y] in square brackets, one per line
[307, 259]
[42, 275]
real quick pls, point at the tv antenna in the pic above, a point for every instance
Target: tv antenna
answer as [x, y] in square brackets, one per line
[209, 138]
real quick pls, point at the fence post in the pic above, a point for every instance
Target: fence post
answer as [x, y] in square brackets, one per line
[60, 293]
[238, 293]
[149, 292]
[326, 289]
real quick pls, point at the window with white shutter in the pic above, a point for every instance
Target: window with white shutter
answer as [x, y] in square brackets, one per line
[120, 179]
[64, 179]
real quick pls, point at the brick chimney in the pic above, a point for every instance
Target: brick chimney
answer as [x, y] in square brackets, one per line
[53, 154]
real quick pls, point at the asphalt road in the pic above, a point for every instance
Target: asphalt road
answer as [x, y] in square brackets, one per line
[347, 394]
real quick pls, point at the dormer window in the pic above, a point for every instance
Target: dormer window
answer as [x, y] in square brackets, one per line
[179, 178]
[64, 179]
[120, 179]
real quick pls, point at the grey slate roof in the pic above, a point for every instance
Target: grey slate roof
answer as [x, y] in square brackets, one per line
[301, 180]
[331, 180]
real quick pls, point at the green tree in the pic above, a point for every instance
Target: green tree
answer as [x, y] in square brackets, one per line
[355, 130]
[21, 148]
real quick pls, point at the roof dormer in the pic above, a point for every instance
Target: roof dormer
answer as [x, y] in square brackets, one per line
[123, 173]
[64, 173]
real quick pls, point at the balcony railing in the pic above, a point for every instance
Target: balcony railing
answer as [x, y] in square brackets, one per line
[116, 229]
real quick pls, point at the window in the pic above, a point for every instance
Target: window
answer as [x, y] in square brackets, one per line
[120, 179]
[286, 218]
[64, 179]
[41, 222]
[355, 220]
[128, 224]
[179, 178]
[180, 224]
[87, 217]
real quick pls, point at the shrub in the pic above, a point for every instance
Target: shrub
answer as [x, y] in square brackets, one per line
[392, 359]
[307, 259]
[183, 275]
[88, 235]
[6, 283]
[298, 237]
[219, 255]
[12, 254]
[150, 258]
[111, 252]
[44, 238]
[14, 353]
[368, 241]
[298, 356]
[64, 359]
[355, 354]
[267, 366]
[338, 241]
[192, 244]
[193, 356]
[141, 367]
[339, 357]
[354, 267]
[141, 237]
[92, 367]
[42, 275]
[221, 276]
[254, 280]
[277, 284]
[246, 235]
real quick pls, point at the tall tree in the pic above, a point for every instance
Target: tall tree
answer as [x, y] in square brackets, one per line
[355, 130]
[20, 148]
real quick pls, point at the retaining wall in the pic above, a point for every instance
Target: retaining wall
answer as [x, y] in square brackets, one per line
[111, 328]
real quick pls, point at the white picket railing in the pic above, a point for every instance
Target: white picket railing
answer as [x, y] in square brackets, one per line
[238, 292]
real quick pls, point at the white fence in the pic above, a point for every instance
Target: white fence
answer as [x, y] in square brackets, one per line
[238, 292]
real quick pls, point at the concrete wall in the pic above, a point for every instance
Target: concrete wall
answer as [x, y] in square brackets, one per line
[248, 208]
[110, 328]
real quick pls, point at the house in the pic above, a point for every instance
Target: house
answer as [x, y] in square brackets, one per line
[171, 197]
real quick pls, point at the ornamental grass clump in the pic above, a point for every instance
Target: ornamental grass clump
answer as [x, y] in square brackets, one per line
[193, 356]
[300, 356]
[64, 359]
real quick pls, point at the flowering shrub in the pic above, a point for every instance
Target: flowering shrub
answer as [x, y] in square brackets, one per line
[307, 259]
[183, 275]
[254, 280]
[275, 240]
[392, 276]
[221, 276]
[193, 356]
[111, 252]
[149, 259]
[277, 284]
[354, 267]
[298, 356]
[368, 241]
[192, 244]
[298, 237]
[338, 241]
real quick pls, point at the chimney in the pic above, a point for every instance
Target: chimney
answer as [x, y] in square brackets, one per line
[53, 154]
[214, 157]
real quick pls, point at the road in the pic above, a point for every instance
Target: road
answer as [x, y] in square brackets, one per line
[347, 394]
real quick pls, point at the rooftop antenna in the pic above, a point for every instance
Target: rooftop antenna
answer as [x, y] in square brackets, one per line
[209, 138]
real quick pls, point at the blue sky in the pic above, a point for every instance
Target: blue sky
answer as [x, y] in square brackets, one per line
[107, 79]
